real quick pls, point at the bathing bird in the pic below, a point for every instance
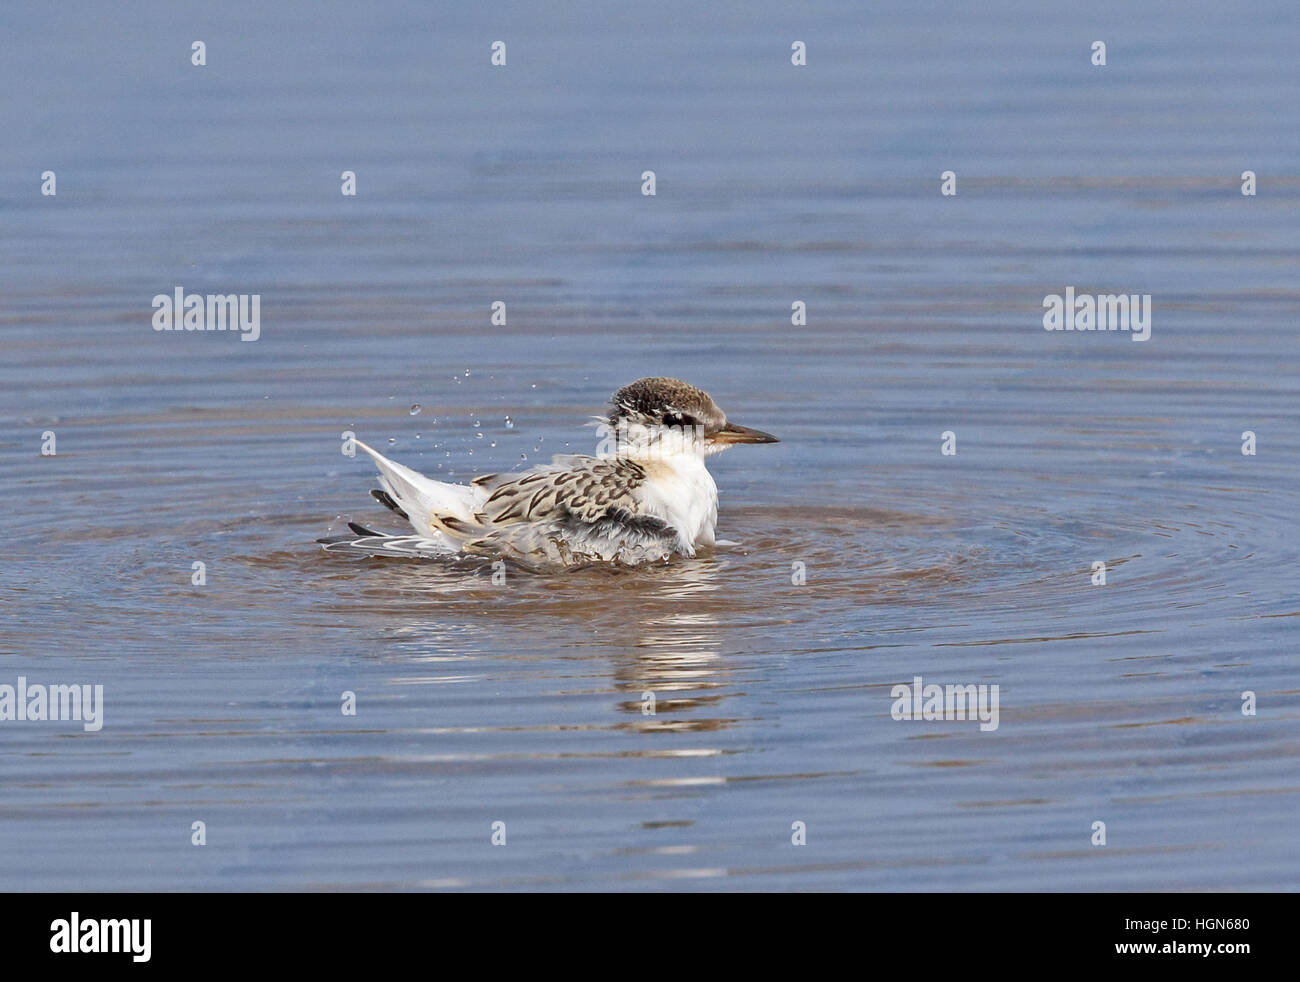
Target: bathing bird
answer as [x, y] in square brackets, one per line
[645, 496]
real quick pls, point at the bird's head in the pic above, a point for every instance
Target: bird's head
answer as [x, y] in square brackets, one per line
[669, 415]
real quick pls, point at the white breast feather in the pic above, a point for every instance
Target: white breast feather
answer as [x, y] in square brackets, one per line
[680, 490]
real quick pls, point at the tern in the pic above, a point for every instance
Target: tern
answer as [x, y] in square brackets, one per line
[645, 496]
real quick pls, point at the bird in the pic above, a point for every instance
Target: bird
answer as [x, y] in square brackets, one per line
[645, 496]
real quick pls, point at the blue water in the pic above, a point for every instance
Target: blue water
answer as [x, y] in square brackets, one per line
[522, 703]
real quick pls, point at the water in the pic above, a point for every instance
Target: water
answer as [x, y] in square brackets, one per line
[523, 703]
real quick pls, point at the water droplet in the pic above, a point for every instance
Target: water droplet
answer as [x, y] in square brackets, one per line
[477, 423]
[510, 423]
[415, 410]
[492, 444]
[479, 435]
[467, 373]
[523, 456]
[392, 440]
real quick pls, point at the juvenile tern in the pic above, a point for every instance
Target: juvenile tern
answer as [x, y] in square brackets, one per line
[645, 496]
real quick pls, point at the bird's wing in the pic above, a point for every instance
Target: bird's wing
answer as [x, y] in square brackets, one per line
[584, 488]
[573, 510]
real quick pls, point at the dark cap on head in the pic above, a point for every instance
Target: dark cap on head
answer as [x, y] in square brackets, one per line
[666, 401]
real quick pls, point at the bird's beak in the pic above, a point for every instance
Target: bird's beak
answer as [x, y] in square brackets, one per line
[734, 433]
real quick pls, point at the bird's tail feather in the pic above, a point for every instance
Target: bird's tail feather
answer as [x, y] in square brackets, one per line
[378, 544]
[420, 497]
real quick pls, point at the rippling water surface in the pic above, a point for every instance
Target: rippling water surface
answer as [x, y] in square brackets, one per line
[523, 703]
